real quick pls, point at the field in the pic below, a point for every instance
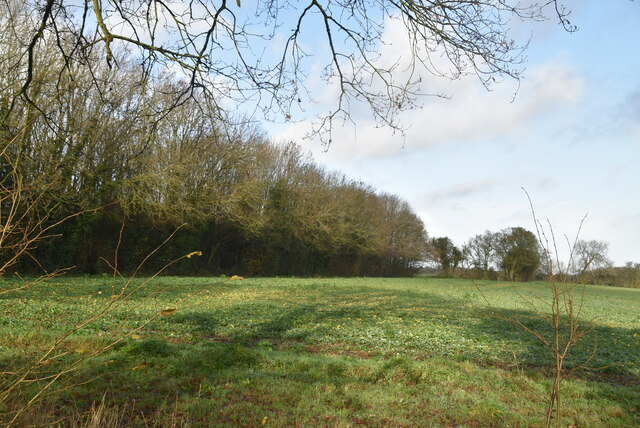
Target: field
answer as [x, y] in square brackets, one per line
[314, 352]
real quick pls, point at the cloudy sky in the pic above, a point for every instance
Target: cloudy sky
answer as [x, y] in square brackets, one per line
[571, 138]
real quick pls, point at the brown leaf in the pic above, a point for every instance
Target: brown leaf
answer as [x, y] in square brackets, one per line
[168, 312]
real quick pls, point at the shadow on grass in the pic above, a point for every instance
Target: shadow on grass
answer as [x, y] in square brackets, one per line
[235, 344]
[616, 348]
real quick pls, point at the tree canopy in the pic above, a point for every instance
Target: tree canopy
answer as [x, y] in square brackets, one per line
[480, 254]
[251, 206]
[519, 253]
[445, 254]
[589, 256]
[259, 55]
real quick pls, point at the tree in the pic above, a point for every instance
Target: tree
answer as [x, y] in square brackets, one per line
[480, 253]
[589, 255]
[406, 237]
[228, 51]
[446, 254]
[518, 252]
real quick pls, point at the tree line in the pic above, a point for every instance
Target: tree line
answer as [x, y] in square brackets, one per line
[512, 254]
[251, 206]
[515, 254]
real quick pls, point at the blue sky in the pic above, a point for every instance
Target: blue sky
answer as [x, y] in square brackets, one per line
[571, 138]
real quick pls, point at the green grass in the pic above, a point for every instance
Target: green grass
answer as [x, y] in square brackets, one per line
[323, 352]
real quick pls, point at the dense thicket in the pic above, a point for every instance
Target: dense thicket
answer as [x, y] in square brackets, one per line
[251, 206]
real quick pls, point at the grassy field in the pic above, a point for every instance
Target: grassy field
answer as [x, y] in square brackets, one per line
[316, 352]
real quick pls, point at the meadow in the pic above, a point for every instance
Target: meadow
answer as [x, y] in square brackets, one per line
[313, 352]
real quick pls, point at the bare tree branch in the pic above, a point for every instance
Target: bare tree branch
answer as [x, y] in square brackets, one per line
[234, 57]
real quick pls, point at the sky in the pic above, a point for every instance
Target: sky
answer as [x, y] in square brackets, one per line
[570, 138]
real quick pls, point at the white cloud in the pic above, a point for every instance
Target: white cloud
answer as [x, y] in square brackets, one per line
[463, 190]
[472, 113]
[629, 114]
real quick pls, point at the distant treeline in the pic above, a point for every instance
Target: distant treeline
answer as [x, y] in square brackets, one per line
[250, 206]
[511, 254]
[515, 254]
[625, 276]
